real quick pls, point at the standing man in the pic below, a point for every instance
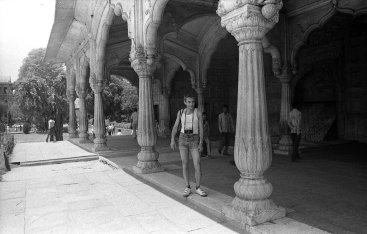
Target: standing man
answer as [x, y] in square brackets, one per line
[294, 123]
[226, 128]
[134, 122]
[190, 141]
[51, 129]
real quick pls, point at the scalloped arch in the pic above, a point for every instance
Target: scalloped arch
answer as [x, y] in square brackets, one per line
[184, 67]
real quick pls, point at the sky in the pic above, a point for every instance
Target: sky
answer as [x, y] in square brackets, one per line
[24, 25]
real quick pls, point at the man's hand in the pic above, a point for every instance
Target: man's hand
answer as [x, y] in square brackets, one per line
[173, 144]
[200, 147]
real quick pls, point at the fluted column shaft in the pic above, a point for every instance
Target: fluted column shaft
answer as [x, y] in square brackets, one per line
[285, 106]
[83, 122]
[164, 117]
[99, 127]
[147, 138]
[200, 93]
[252, 151]
[285, 142]
[72, 128]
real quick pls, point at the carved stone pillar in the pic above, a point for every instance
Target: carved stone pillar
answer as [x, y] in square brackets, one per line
[165, 116]
[200, 92]
[285, 142]
[100, 142]
[72, 128]
[147, 157]
[249, 23]
[83, 122]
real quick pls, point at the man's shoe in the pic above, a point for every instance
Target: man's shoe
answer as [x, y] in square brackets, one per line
[201, 192]
[186, 192]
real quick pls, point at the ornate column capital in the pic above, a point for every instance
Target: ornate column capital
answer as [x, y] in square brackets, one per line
[71, 95]
[80, 91]
[143, 63]
[142, 68]
[96, 84]
[249, 20]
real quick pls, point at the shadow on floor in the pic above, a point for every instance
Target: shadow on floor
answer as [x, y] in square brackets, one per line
[326, 189]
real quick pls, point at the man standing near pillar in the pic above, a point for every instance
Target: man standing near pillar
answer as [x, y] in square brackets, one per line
[294, 122]
[190, 141]
[226, 128]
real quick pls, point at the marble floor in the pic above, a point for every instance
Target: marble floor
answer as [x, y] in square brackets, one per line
[91, 197]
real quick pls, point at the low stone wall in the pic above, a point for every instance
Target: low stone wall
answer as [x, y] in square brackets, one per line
[6, 148]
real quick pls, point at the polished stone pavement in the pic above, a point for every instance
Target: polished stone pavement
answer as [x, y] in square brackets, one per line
[91, 197]
[326, 189]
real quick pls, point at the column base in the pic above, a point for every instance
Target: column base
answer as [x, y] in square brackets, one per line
[285, 145]
[251, 213]
[100, 145]
[148, 167]
[84, 140]
[73, 134]
[150, 163]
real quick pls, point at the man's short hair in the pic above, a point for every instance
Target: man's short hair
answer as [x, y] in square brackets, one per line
[189, 95]
[226, 106]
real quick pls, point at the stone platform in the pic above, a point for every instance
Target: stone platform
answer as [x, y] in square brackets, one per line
[91, 198]
[36, 153]
[319, 189]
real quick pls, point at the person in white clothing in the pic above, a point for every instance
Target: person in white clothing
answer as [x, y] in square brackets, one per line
[51, 131]
[134, 122]
[190, 141]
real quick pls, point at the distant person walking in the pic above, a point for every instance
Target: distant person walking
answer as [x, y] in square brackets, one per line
[294, 123]
[226, 128]
[51, 131]
[189, 124]
[134, 122]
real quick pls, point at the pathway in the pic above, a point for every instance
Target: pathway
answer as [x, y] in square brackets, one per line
[90, 197]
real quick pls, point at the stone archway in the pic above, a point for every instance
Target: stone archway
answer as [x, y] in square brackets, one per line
[332, 80]
[180, 85]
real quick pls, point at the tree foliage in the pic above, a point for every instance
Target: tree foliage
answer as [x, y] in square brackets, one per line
[119, 98]
[40, 90]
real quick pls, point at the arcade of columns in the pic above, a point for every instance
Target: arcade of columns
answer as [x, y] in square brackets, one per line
[248, 21]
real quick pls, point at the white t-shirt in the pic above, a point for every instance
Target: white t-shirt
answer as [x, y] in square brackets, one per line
[190, 122]
[51, 123]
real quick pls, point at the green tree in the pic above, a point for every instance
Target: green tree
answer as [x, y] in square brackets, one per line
[119, 98]
[40, 91]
